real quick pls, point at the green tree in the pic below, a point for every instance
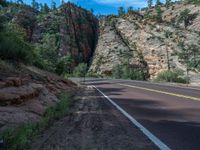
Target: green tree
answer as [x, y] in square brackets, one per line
[121, 11]
[46, 8]
[47, 52]
[35, 5]
[20, 2]
[80, 70]
[168, 2]
[3, 3]
[62, 2]
[150, 3]
[2, 21]
[41, 7]
[92, 10]
[159, 14]
[65, 65]
[117, 71]
[194, 56]
[192, 1]
[130, 9]
[190, 56]
[158, 3]
[53, 5]
[13, 44]
[168, 34]
[184, 17]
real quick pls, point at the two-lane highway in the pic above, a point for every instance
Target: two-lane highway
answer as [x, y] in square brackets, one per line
[171, 113]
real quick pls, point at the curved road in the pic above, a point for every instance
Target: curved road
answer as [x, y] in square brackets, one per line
[171, 113]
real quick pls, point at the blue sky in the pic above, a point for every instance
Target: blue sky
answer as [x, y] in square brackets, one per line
[102, 6]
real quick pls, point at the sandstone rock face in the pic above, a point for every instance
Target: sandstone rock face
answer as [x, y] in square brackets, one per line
[170, 14]
[112, 48]
[146, 37]
[108, 50]
[77, 29]
[79, 33]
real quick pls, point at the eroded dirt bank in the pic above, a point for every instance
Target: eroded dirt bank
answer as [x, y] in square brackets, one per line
[93, 124]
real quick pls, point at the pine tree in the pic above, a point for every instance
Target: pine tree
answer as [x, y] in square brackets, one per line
[168, 2]
[159, 14]
[121, 11]
[20, 2]
[62, 2]
[158, 2]
[149, 2]
[130, 9]
[35, 5]
[53, 5]
[92, 10]
[46, 8]
[184, 17]
[3, 3]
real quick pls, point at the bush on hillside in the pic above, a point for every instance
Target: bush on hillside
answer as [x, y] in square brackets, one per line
[171, 76]
[126, 72]
[47, 53]
[80, 70]
[193, 1]
[13, 45]
[65, 65]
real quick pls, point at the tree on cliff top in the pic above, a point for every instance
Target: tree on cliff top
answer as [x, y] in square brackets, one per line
[150, 3]
[121, 11]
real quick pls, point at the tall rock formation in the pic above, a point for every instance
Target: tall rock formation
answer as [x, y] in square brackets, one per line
[75, 29]
[147, 40]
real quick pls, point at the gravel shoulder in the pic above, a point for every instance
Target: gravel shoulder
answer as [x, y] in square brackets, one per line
[93, 124]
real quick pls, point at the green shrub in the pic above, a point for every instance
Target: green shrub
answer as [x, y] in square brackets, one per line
[65, 65]
[47, 53]
[13, 45]
[193, 1]
[18, 138]
[117, 71]
[80, 70]
[171, 76]
[126, 72]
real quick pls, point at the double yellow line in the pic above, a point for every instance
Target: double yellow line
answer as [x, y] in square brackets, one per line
[163, 92]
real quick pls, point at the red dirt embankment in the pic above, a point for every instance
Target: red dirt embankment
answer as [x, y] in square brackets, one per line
[26, 94]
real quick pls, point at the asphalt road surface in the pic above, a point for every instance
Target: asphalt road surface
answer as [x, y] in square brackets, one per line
[171, 113]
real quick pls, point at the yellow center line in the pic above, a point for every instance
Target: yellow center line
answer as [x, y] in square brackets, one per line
[167, 93]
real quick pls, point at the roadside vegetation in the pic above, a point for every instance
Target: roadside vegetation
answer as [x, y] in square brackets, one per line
[20, 137]
[176, 76]
[125, 71]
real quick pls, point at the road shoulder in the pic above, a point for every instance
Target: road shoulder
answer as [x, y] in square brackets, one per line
[93, 124]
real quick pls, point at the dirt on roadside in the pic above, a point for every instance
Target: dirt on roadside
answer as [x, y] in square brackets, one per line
[93, 124]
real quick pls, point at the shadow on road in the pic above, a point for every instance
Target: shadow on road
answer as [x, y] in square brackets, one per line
[178, 127]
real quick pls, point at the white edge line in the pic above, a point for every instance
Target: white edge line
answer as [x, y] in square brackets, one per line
[152, 137]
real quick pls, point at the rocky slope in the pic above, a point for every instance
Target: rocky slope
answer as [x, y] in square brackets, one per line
[145, 41]
[26, 94]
